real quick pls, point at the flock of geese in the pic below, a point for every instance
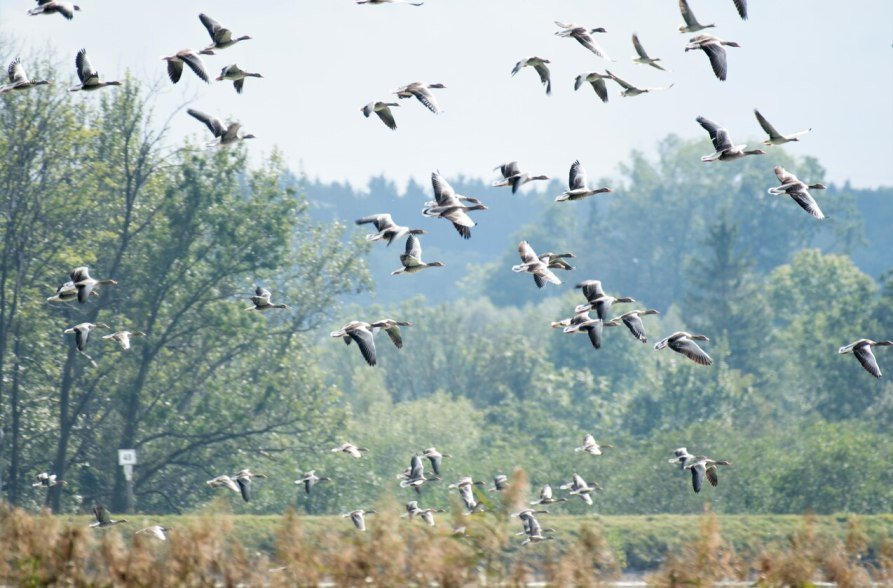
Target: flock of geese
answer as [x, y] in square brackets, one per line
[456, 209]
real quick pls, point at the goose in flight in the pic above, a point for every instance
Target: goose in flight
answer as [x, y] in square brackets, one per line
[597, 81]
[682, 342]
[546, 496]
[411, 259]
[224, 135]
[435, 457]
[592, 290]
[532, 264]
[261, 301]
[387, 228]
[532, 529]
[681, 457]
[68, 292]
[590, 446]
[224, 481]
[363, 334]
[358, 518]
[798, 190]
[415, 477]
[691, 23]
[47, 480]
[221, 37]
[630, 90]
[500, 483]
[580, 487]
[82, 333]
[122, 338]
[383, 110]
[713, 48]
[103, 519]
[88, 75]
[581, 322]
[191, 58]
[243, 479]
[722, 143]
[236, 75]
[643, 55]
[583, 36]
[703, 467]
[633, 322]
[350, 449]
[776, 138]
[862, 350]
[66, 9]
[603, 304]
[556, 260]
[80, 277]
[422, 92]
[18, 78]
[539, 64]
[310, 479]
[512, 176]
[448, 205]
[156, 531]
[578, 185]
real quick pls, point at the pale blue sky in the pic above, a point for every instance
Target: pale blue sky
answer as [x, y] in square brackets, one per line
[803, 63]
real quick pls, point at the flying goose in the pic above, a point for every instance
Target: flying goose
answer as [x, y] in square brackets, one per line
[633, 322]
[412, 509]
[412, 258]
[597, 81]
[85, 284]
[629, 90]
[68, 292]
[532, 529]
[47, 480]
[310, 479]
[224, 481]
[156, 531]
[532, 264]
[122, 338]
[383, 110]
[448, 205]
[581, 322]
[577, 185]
[546, 496]
[713, 48]
[221, 37]
[556, 260]
[512, 176]
[224, 135]
[776, 138]
[261, 301]
[350, 449]
[862, 350]
[358, 518]
[421, 91]
[500, 483]
[691, 23]
[798, 190]
[643, 56]
[603, 304]
[592, 290]
[466, 493]
[387, 228]
[415, 478]
[82, 333]
[66, 9]
[88, 75]
[681, 457]
[236, 75]
[243, 479]
[18, 78]
[539, 64]
[363, 334]
[583, 36]
[682, 342]
[374, 2]
[191, 58]
[580, 487]
[722, 143]
[435, 457]
[103, 519]
[590, 446]
[427, 515]
[703, 467]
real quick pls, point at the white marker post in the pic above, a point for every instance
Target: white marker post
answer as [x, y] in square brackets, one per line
[127, 459]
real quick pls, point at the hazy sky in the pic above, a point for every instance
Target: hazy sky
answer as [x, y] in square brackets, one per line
[803, 63]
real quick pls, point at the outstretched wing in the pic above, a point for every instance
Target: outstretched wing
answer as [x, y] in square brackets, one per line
[770, 130]
[84, 67]
[365, 342]
[866, 358]
[212, 25]
[214, 124]
[577, 178]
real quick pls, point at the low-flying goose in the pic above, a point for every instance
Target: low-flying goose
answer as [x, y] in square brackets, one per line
[630, 90]
[532, 264]
[583, 35]
[422, 92]
[603, 304]
[412, 509]
[581, 322]
[310, 479]
[500, 483]
[862, 350]
[633, 322]
[411, 259]
[643, 56]
[580, 487]
[415, 478]
[532, 529]
[592, 290]
[539, 64]
[236, 75]
[191, 58]
[122, 338]
[18, 78]
[374, 2]
[88, 75]
[363, 334]
[590, 446]
[776, 138]
[466, 486]
[556, 260]
[512, 176]
[597, 81]
[66, 9]
[221, 37]
[156, 531]
[103, 519]
[68, 292]
[47, 480]
[435, 457]
[682, 342]
[82, 333]
[713, 47]
[224, 481]
[224, 134]
[387, 228]
[262, 300]
[85, 284]
[681, 457]
[722, 143]
[577, 185]
[350, 449]
[427, 515]
[691, 23]
[383, 110]
[448, 205]
[358, 518]
[243, 479]
[703, 467]
[798, 190]
[546, 496]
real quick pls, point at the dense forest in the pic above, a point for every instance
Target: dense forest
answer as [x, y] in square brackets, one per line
[188, 233]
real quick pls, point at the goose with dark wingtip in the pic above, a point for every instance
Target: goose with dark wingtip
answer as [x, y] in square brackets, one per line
[681, 457]
[350, 449]
[363, 334]
[387, 229]
[532, 264]
[776, 138]
[82, 333]
[448, 205]
[411, 259]
[583, 35]
[236, 75]
[539, 64]
[85, 284]
[797, 189]
[546, 496]
[189, 57]
[580, 487]
[630, 90]
[642, 56]
[88, 75]
[221, 37]
[383, 111]
[596, 80]
[862, 350]
[512, 176]
[435, 457]
[310, 479]
[684, 343]
[66, 9]
[358, 518]
[224, 135]
[103, 519]
[726, 150]
[262, 301]
[18, 78]
[578, 187]
[691, 23]
[243, 479]
[703, 467]
[581, 322]
[122, 338]
[716, 53]
[421, 92]
[591, 447]
[633, 322]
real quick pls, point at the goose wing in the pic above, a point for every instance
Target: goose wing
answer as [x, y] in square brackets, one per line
[413, 247]
[387, 117]
[244, 488]
[435, 460]
[101, 514]
[215, 29]
[528, 255]
[638, 46]
[214, 124]
[80, 338]
[717, 56]
[784, 176]
[174, 70]
[712, 476]
[807, 203]
[509, 169]
[460, 220]
[595, 334]
[366, 343]
[394, 336]
[196, 64]
[741, 6]
[865, 356]
[16, 72]
[770, 130]
[443, 192]
[635, 325]
[719, 135]
[697, 476]
[601, 90]
[425, 96]
[592, 289]
[691, 350]
[687, 15]
[623, 83]
[587, 41]
[577, 178]
[543, 71]
[86, 71]
[381, 221]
